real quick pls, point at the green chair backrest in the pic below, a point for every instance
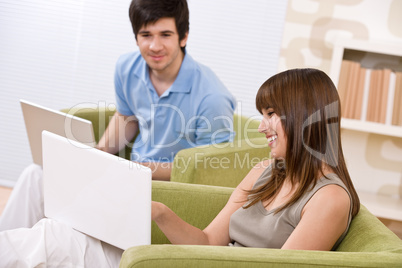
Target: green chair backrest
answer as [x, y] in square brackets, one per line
[246, 127]
[369, 234]
[99, 117]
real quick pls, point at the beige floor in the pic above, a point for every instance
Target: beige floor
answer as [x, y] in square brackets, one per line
[395, 226]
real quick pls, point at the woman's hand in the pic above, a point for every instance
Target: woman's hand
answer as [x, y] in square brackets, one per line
[217, 232]
[175, 229]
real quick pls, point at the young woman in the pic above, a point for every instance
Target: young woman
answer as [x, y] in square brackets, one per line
[301, 199]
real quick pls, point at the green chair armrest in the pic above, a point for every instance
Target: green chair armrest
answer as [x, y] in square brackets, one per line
[224, 164]
[185, 198]
[169, 256]
[368, 234]
[368, 243]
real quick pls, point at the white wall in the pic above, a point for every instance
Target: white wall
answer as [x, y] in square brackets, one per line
[62, 53]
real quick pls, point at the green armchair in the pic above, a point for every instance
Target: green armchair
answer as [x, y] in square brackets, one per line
[368, 243]
[224, 164]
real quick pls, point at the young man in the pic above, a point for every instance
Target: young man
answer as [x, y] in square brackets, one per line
[162, 93]
[174, 101]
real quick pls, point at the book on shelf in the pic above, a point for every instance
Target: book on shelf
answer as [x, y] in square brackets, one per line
[366, 92]
[352, 89]
[370, 94]
[374, 100]
[383, 95]
[390, 98]
[397, 109]
[400, 100]
[348, 87]
[360, 93]
[342, 84]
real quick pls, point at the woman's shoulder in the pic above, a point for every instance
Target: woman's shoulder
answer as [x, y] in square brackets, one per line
[264, 168]
[330, 196]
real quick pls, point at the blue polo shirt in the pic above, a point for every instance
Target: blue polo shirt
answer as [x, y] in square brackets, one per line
[196, 110]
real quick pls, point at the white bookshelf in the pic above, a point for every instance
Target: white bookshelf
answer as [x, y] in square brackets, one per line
[370, 55]
[371, 127]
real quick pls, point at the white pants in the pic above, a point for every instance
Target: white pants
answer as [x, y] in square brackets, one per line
[53, 244]
[48, 243]
[25, 205]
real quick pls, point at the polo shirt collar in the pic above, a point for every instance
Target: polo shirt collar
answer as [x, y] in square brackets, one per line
[184, 79]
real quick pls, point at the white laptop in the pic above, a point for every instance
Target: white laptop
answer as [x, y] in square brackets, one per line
[99, 194]
[38, 118]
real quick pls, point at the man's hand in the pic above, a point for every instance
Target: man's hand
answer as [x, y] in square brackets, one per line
[120, 131]
[160, 170]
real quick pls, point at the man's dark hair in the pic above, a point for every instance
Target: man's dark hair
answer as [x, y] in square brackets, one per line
[143, 12]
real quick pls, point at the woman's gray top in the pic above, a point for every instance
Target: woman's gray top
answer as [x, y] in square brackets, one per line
[261, 228]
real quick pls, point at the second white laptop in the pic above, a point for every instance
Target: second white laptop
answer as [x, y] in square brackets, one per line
[38, 118]
[96, 193]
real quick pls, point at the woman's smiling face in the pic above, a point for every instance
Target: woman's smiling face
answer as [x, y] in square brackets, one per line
[271, 126]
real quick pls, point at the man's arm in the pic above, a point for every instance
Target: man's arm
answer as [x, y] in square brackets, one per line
[120, 131]
[160, 170]
[215, 124]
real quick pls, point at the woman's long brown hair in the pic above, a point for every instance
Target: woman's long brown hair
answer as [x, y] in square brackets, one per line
[308, 104]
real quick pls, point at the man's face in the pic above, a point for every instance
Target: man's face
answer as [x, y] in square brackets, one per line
[160, 46]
